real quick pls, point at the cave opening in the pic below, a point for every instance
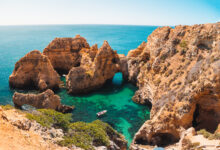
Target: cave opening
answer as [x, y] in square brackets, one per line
[61, 71]
[195, 115]
[148, 103]
[205, 45]
[141, 141]
[159, 139]
[117, 79]
[205, 119]
[29, 85]
[163, 139]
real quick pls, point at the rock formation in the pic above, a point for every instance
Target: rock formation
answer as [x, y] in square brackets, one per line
[93, 72]
[46, 99]
[34, 70]
[178, 73]
[64, 53]
[17, 132]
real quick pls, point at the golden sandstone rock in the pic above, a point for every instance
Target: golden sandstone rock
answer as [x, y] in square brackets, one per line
[46, 100]
[35, 71]
[91, 68]
[64, 53]
[93, 73]
[180, 78]
[177, 72]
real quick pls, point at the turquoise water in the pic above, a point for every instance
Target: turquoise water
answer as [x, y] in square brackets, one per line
[123, 114]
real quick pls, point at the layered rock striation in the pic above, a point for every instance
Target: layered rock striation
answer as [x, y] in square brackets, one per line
[34, 71]
[93, 71]
[64, 53]
[46, 100]
[178, 74]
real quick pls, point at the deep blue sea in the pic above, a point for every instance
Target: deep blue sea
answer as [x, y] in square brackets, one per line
[123, 114]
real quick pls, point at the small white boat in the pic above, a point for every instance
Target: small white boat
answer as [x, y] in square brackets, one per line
[101, 113]
[64, 75]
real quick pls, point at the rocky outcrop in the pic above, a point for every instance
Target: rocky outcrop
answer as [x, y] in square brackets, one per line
[93, 72]
[64, 53]
[178, 73]
[135, 59]
[34, 70]
[17, 132]
[46, 99]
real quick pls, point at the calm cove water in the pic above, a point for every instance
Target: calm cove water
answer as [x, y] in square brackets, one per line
[124, 115]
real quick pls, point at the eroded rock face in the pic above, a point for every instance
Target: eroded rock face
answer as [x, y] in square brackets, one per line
[178, 72]
[93, 72]
[34, 70]
[135, 59]
[46, 100]
[64, 53]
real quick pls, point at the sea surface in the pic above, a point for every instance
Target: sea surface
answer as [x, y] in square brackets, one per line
[123, 114]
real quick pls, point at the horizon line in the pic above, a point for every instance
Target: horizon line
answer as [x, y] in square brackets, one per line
[81, 24]
[103, 24]
[96, 24]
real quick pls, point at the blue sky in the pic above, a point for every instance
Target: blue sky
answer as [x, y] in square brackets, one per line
[134, 12]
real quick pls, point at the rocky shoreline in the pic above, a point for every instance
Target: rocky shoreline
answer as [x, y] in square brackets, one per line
[177, 72]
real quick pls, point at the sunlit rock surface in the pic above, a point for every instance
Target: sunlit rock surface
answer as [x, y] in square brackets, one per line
[178, 73]
[64, 53]
[46, 100]
[34, 71]
[93, 72]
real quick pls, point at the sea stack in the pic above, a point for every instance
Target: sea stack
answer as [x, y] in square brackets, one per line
[34, 71]
[64, 53]
[93, 72]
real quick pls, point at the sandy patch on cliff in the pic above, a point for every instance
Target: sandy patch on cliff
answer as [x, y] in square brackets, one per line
[13, 138]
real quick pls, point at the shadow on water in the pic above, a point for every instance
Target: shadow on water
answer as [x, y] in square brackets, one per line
[123, 114]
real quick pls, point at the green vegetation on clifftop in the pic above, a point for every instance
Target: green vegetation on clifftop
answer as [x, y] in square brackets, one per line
[80, 134]
[85, 135]
[51, 118]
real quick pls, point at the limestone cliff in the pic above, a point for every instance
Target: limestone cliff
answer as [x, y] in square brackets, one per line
[178, 73]
[93, 72]
[64, 53]
[34, 70]
[46, 100]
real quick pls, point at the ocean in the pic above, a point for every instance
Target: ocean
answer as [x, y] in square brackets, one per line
[123, 114]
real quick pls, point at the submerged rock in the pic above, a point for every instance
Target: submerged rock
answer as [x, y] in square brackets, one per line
[93, 73]
[178, 72]
[64, 53]
[46, 99]
[34, 70]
